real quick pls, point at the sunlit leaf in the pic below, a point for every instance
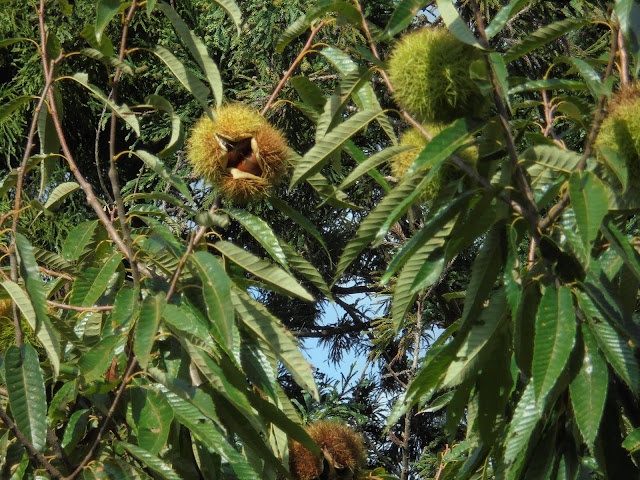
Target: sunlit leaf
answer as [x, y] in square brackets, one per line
[147, 329]
[27, 397]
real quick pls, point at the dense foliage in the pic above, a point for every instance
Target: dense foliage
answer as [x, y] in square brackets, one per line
[481, 246]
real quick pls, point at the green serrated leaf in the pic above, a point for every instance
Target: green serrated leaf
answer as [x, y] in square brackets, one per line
[27, 397]
[505, 14]
[260, 230]
[77, 239]
[151, 461]
[177, 131]
[267, 327]
[152, 415]
[319, 154]
[455, 23]
[271, 275]
[198, 49]
[590, 203]
[147, 328]
[105, 11]
[525, 418]
[589, 389]
[157, 166]
[549, 84]
[193, 85]
[12, 105]
[35, 289]
[97, 360]
[111, 61]
[216, 290]
[402, 16]
[554, 340]
[123, 111]
[543, 36]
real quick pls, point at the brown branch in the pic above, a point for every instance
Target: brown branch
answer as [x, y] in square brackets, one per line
[74, 308]
[53, 273]
[530, 210]
[113, 172]
[31, 450]
[103, 428]
[624, 60]
[598, 118]
[193, 241]
[303, 52]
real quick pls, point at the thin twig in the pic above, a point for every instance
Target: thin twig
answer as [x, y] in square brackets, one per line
[193, 241]
[74, 308]
[113, 172]
[624, 60]
[105, 423]
[598, 118]
[31, 450]
[293, 66]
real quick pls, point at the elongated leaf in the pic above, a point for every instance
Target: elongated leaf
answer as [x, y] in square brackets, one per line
[27, 396]
[525, 418]
[216, 289]
[12, 105]
[305, 268]
[591, 77]
[232, 10]
[589, 201]
[505, 14]
[386, 211]
[546, 164]
[101, 280]
[35, 289]
[177, 132]
[271, 275]
[75, 430]
[484, 272]
[267, 327]
[107, 60]
[589, 389]
[157, 166]
[105, 11]
[549, 84]
[315, 158]
[317, 11]
[555, 337]
[148, 324]
[613, 345]
[152, 415]
[455, 23]
[310, 93]
[8, 181]
[335, 106]
[59, 194]
[97, 360]
[78, 239]
[402, 16]
[372, 162]
[288, 211]
[260, 230]
[158, 466]
[477, 338]
[198, 49]
[211, 435]
[193, 85]
[620, 243]
[544, 35]
[122, 111]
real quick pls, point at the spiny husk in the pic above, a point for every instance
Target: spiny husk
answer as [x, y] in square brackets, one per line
[343, 450]
[429, 70]
[620, 131]
[447, 173]
[207, 152]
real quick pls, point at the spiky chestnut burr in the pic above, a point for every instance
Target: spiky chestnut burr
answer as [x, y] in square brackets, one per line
[342, 449]
[429, 70]
[239, 153]
[413, 138]
[620, 131]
